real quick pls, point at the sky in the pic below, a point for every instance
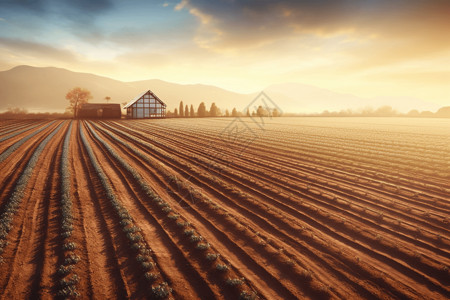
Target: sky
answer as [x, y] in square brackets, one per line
[369, 48]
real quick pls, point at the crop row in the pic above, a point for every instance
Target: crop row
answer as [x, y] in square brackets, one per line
[311, 150]
[281, 185]
[314, 211]
[186, 230]
[13, 202]
[137, 243]
[19, 143]
[290, 164]
[309, 143]
[221, 215]
[66, 270]
[18, 130]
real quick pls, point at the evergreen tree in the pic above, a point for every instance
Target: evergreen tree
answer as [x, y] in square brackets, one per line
[275, 113]
[181, 109]
[248, 112]
[260, 112]
[186, 111]
[227, 113]
[234, 113]
[201, 111]
[175, 113]
[213, 111]
[192, 114]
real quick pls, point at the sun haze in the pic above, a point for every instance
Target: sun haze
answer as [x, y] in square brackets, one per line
[368, 48]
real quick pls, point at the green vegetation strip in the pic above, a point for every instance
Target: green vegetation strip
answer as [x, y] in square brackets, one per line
[12, 204]
[16, 145]
[136, 240]
[28, 127]
[163, 205]
[69, 279]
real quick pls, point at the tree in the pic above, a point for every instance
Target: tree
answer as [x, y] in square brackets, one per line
[107, 98]
[443, 112]
[234, 112]
[192, 113]
[262, 112]
[186, 111]
[248, 112]
[175, 113]
[385, 111]
[213, 111]
[227, 113]
[259, 111]
[201, 111]
[181, 109]
[76, 97]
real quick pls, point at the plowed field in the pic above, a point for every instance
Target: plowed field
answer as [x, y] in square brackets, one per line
[278, 208]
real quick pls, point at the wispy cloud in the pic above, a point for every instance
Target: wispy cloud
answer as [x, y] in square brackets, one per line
[245, 22]
[29, 49]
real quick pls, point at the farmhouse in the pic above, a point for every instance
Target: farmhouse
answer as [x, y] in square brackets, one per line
[99, 110]
[146, 105]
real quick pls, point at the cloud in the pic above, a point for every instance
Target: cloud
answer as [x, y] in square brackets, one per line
[239, 24]
[36, 5]
[54, 6]
[20, 48]
[80, 12]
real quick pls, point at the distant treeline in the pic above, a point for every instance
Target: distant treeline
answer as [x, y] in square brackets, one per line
[186, 111]
[21, 113]
[384, 111]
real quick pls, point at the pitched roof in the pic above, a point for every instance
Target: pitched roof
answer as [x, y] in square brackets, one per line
[141, 95]
[99, 105]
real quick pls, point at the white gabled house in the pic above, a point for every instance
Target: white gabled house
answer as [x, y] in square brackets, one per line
[146, 106]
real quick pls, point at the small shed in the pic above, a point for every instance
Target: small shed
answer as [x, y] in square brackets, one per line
[146, 106]
[99, 110]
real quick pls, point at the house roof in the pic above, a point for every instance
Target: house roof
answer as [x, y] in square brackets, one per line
[99, 105]
[140, 96]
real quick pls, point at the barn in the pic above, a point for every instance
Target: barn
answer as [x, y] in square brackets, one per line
[145, 106]
[99, 110]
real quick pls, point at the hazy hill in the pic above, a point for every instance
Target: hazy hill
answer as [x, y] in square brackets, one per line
[310, 99]
[44, 89]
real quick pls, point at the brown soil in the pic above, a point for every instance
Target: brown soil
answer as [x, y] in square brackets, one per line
[299, 212]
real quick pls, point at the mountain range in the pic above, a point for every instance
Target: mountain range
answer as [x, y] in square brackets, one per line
[43, 90]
